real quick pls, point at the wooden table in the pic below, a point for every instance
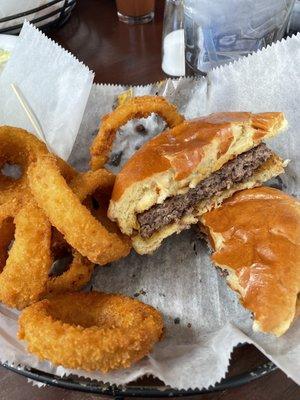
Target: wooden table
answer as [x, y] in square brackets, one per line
[119, 53]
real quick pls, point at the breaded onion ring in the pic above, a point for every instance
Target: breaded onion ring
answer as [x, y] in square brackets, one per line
[26, 269]
[65, 211]
[91, 331]
[137, 107]
[79, 273]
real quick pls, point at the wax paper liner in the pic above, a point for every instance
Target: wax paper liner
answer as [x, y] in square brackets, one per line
[203, 318]
[55, 84]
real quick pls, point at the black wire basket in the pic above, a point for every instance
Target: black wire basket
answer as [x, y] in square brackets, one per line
[48, 16]
[138, 389]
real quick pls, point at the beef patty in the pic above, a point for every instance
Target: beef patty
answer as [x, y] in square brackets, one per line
[175, 207]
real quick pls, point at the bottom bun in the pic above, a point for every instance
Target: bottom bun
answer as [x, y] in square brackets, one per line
[274, 166]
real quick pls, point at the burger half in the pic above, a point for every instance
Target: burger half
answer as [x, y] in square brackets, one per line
[256, 239]
[188, 170]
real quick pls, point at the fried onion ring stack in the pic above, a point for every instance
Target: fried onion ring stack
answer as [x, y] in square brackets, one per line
[27, 227]
[51, 215]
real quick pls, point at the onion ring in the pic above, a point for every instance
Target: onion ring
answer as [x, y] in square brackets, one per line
[137, 107]
[91, 331]
[79, 273]
[25, 272]
[65, 211]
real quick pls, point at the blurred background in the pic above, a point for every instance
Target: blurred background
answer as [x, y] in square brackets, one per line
[192, 36]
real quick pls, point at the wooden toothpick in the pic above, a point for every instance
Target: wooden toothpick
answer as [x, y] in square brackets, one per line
[30, 114]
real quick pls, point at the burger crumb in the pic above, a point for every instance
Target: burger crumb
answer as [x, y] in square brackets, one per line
[141, 292]
[195, 248]
[200, 234]
[176, 321]
[141, 129]
[115, 104]
[189, 325]
[116, 159]
[223, 273]
[95, 132]
[162, 295]
[137, 147]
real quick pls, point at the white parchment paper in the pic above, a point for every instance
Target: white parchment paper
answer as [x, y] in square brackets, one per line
[179, 278]
[55, 84]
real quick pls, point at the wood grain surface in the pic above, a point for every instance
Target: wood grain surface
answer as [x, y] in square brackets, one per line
[119, 53]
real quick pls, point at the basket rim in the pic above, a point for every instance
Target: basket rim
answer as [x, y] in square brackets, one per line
[95, 387]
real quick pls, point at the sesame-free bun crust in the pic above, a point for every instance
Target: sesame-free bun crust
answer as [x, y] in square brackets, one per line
[178, 159]
[256, 238]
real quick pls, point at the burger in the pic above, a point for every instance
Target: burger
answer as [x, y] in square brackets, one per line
[256, 239]
[190, 169]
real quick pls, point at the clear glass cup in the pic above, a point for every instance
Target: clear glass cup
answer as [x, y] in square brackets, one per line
[173, 43]
[295, 18]
[219, 32]
[135, 11]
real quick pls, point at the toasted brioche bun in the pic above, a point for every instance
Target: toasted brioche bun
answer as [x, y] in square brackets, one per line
[256, 238]
[178, 159]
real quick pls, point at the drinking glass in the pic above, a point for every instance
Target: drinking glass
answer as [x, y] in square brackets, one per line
[217, 32]
[135, 11]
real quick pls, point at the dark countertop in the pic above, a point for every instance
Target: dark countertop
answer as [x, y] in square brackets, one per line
[119, 53]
